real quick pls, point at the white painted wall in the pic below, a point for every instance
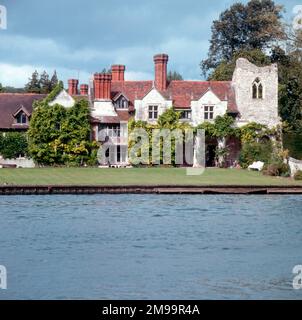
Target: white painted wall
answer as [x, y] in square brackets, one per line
[152, 98]
[103, 108]
[63, 99]
[208, 99]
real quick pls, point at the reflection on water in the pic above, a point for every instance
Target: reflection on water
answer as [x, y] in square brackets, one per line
[150, 246]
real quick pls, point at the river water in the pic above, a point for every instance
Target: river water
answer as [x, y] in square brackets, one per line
[150, 246]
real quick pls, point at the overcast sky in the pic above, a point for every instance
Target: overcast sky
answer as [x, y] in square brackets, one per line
[78, 38]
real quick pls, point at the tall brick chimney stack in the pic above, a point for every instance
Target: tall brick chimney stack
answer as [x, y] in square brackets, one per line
[102, 86]
[84, 89]
[161, 62]
[118, 72]
[73, 87]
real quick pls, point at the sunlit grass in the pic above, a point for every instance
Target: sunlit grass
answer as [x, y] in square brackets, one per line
[137, 176]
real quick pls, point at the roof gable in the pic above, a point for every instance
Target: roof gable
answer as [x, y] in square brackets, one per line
[153, 95]
[209, 97]
[120, 95]
[183, 92]
[22, 109]
[63, 99]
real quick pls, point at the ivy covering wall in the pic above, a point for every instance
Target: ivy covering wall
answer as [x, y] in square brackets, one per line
[168, 120]
[60, 136]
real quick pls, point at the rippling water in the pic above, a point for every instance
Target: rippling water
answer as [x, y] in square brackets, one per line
[150, 246]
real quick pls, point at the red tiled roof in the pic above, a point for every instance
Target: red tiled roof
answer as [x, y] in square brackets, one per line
[181, 92]
[9, 105]
[133, 90]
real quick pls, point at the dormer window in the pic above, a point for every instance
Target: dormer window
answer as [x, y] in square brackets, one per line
[257, 89]
[21, 118]
[121, 103]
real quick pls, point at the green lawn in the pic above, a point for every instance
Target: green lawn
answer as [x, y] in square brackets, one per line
[139, 176]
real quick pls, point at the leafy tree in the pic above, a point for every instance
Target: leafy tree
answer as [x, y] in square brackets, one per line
[13, 144]
[290, 87]
[1, 88]
[173, 75]
[33, 86]
[225, 70]
[256, 25]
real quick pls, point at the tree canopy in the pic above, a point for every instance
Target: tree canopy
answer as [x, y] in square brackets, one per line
[256, 25]
[41, 83]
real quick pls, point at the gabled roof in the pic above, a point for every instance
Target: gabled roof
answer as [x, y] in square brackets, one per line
[118, 95]
[180, 92]
[23, 109]
[11, 103]
[134, 90]
[183, 92]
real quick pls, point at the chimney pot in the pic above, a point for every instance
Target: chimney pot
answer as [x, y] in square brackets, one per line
[102, 86]
[161, 62]
[84, 89]
[73, 86]
[118, 72]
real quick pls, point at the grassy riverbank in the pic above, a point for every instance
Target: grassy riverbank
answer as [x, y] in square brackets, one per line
[141, 176]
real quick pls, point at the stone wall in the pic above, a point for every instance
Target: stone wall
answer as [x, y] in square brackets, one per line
[263, 110]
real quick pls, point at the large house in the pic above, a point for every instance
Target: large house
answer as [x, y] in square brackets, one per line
[251, 96]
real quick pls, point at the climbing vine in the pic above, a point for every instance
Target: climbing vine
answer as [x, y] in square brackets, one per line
[168, 120]
[60, 136]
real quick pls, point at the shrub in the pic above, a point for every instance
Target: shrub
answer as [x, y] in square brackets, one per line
[298, 175]
[277, 169]
[255, 151]
[13, 145]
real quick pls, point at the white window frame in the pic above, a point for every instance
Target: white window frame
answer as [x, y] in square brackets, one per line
[154, 109]
[209, 112]
[22, 114]
[122, 103]
[189, 112]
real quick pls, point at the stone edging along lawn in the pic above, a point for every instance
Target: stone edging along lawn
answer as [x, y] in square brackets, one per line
[139, 189]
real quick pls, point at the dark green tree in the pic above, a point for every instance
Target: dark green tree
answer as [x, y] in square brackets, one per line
[173, 75]
[224, 71]
[33, 85]
[13, 145]
[256, 25]
[1, 88]
[53, 81]
[290, 87]
[44, 83]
